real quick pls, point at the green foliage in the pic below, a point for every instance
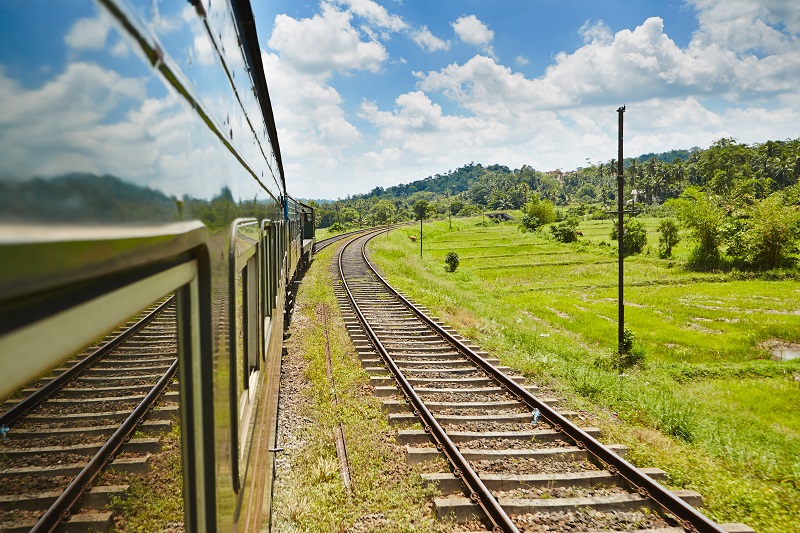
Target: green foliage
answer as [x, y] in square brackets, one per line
[566, 231]
[451, 261]
[627, 340]
[420, 209]
[702, 215]
[634, 236]
[336, 226]
[383, 211]
[668, 239]
[537, 212]
[767, 233]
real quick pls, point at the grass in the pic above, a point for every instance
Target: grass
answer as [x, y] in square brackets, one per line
[709, 405]
[387, 495]
[154, 501]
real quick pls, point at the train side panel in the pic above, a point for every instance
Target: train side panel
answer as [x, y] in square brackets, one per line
[136, 143]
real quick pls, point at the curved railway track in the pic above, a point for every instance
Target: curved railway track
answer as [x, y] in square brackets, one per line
[63, 430]
[324, 243]
[513, 462]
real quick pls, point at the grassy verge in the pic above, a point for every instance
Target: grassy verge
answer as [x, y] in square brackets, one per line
[154, 501]
[387, 494]
[708, 404]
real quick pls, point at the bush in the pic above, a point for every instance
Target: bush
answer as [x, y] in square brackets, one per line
[451, 261]
[536, 213]
[336, 226]
[565, 231]
[669, 237]
[770, 233]
[703, 216]
[634, 236]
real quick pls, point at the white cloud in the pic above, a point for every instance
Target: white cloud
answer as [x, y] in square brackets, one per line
[312, 126]
[521, 61]
[747, 25]
[325, 43]
[203, 49]
[428, 41]
[595, 32]
[471, 30]
[375, 14]
[88, 34]
[721, 84]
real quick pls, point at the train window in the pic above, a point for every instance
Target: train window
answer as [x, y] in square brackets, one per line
[245, 335]
[267, 275]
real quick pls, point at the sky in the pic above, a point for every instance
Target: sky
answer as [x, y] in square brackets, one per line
[373, 93]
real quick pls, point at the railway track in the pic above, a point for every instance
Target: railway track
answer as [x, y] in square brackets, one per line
[61, 431]
[502, 457]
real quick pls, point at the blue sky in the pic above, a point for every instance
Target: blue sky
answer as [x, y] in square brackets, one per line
[379, 92]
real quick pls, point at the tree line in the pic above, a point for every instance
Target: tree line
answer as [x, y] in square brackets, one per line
[738, 202]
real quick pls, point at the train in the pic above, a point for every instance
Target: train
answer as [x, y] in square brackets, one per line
[140, 159]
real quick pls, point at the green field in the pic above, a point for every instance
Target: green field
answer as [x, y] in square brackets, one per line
[708, 403]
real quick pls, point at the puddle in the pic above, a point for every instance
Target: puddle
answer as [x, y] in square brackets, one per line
[781, 350]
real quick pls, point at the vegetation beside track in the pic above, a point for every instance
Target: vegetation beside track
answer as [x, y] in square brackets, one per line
[154, 502]
[387, 495]
[708, 404]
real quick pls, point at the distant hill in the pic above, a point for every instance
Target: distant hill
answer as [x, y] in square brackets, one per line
[456, 181]
[665, 157]
[462, 179]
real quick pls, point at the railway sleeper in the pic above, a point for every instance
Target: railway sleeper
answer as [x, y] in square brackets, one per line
[400, 406]
[383, 391]
[130, 465]
[418, 436]
[98, 522]
[170, 396]
[565, 453]
[512, 418]
[461, 509]
[137, 446]
[164, 412]
[116, 368]
[75, 392]
[411, 372]
[377, 381]
[150, 426]
[97, 498]
[375, 361]
[449, 484]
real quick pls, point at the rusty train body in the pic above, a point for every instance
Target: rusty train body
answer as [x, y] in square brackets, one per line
[140, 159]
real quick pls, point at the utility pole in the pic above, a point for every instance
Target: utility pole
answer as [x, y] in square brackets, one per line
[620, 232]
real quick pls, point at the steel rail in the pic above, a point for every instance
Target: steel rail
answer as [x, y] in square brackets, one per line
[319, 245]
[60, 509]
[691, 519]
[35, 398]
[479, 493]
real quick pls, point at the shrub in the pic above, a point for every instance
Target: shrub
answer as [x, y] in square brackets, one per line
[770, 232]
[565, 231]
[451, 261]
[536, 213]
[704, 217]
[634, 237]
[669, 237]
[336, 226]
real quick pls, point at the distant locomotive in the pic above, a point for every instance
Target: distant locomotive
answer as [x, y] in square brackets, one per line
[140, 158]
